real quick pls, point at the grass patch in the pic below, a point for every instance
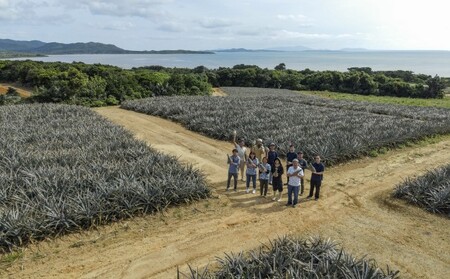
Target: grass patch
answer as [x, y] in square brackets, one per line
[441, 103]
[8, 259]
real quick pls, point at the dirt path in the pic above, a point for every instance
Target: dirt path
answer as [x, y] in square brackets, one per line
[355, 209]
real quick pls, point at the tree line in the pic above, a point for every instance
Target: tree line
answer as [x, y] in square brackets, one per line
[99, 85]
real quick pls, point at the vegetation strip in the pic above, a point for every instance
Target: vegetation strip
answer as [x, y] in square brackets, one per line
[290, 257]
[430, 191]
[64, 168]
[338, 130]
[100, 85]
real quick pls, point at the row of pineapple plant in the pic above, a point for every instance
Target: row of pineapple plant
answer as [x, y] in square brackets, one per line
[65, 168]
[430, 191]
[338, 130]
[289, 258]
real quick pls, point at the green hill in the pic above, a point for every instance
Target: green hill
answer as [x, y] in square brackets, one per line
[78, 48]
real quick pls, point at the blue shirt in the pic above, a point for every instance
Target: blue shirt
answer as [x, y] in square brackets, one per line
[265, 175]
[271, 156]
[250, 169]
[319, 168]
[234, 164]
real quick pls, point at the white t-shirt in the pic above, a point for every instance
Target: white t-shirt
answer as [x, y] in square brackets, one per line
[241, 151]
[295, 180]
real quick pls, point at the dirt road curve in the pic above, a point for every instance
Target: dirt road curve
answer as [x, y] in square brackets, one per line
[355, 210]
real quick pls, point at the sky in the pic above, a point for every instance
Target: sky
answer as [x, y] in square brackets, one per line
[252, 24]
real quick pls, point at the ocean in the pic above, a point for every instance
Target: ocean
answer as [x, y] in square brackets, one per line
[420, 62]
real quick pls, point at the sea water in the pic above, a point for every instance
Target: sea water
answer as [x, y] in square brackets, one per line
[420, 62]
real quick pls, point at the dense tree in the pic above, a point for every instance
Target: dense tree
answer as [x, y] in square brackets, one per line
[96, 85]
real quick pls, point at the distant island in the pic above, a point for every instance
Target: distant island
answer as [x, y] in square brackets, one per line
[244, 50]
[6, 54]
[38, 48]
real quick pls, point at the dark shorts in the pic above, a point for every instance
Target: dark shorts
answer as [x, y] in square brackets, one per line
[277, 185]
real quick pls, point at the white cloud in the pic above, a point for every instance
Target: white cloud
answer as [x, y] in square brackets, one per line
[117, 25]
[171, 26]
[301, 18]
[150, 9]
[213, 23]
[285, 34]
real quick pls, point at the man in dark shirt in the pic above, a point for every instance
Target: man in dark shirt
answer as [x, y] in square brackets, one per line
[272, 154]
[316, 177]
[304, 165]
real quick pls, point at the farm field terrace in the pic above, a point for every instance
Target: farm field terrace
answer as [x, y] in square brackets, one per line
[65, 168]
[336, 129]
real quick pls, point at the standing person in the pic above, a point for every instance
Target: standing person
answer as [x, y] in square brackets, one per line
[304, 165]
[271, 156]
[242, 152]
[233, 170]
[264, 173]
[259, 149]
[294, 173]
[316, 177]
[277, 180]
[290, 156]
[252, 165]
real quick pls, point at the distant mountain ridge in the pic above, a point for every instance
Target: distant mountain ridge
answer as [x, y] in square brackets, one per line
[243, 50]
[79, 48]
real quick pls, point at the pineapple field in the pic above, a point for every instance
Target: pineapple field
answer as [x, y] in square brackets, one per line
[430, 190]
[69, 169]
[337, 130]
[291, 257]
[64, 168]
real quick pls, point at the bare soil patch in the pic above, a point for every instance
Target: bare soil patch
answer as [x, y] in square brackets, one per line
[218, 92]
[355, 209]
[23, 92]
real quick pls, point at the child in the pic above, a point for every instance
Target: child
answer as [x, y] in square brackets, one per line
[264, 173]
[233, 170]
[277, 181]
[252, 164]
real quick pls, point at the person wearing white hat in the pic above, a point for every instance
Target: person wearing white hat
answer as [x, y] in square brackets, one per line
[259, 149]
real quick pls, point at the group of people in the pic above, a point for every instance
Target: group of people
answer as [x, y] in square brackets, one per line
[266, 163]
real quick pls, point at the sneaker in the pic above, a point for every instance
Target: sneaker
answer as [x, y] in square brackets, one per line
[288, 204]
[274, 198]
[316, 199]
[235, 190]
[308, 197]
[254, 191]
[294, 205]
[248, 190]
[279, 200]
[227, 190]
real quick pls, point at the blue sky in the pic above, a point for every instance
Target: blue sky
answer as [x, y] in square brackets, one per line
[209, 24]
